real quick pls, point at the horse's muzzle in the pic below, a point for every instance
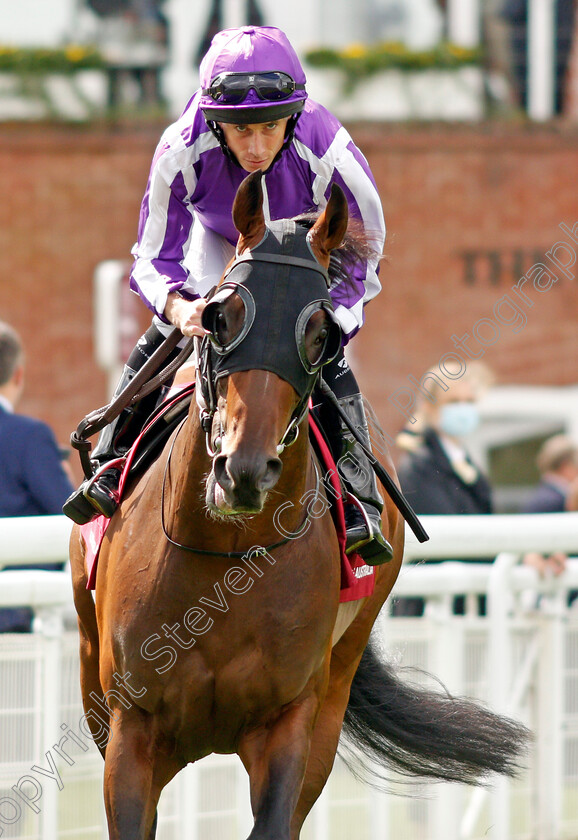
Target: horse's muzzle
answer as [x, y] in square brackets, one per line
[241, 484]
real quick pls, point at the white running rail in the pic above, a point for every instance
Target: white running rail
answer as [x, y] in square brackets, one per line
[521, 658]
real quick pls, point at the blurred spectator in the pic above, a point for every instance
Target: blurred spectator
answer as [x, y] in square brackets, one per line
[33, 481]
[515, 12]
[133, 38]
[557, 463]
[437, 474]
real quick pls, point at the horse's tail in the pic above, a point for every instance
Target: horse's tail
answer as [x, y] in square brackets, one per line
[421, 732]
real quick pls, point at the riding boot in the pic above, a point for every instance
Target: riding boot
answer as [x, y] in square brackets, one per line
[99, 494]
[362, 521]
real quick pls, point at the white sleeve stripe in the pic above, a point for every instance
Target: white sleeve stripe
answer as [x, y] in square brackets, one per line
[351, 318]
[266, 208]
[353, 175]
[321, 169]
[147, 281]
[156, 223]
[179, 159]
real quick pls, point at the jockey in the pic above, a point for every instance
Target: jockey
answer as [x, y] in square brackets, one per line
[250, 112]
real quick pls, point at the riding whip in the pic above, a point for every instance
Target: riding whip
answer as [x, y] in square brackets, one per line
[387, 481]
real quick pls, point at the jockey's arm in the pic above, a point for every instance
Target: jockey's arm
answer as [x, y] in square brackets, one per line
[185, 314]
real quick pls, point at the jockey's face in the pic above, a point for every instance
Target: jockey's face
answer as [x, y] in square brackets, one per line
[256, 145]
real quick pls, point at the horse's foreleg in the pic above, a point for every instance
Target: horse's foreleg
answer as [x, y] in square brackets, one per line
[91, 688]
[345, 659]
[153, 831]
[275, 757]
[135, 772]
[95, 711]
[324, 741]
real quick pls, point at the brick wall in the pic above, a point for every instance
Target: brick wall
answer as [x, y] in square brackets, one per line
[469, 212]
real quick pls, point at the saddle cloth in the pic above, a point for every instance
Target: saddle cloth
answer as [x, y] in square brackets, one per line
[357, 578]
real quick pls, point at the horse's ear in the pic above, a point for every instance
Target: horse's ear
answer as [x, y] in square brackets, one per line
[248, 215]
[328, 231]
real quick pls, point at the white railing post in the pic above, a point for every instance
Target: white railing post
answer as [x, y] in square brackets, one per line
[233, 14]
[188, 802]
[448, 667]
[48, 623]
[246, 820]
[550, 693]
[464, 22]
[379, 815]
[541, 58]
[320, 815]
[500, 671]
[187, 23]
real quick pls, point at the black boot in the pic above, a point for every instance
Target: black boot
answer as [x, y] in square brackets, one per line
[99, 494]
[363, 521]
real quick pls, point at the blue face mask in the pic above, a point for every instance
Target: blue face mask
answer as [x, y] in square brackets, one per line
[459, 419]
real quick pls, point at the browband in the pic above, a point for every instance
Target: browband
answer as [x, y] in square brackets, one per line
[286, 259]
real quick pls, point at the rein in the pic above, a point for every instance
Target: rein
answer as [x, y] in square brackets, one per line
[140, 385]
[231, 554]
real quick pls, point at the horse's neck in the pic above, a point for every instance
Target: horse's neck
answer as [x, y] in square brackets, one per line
[187, 467]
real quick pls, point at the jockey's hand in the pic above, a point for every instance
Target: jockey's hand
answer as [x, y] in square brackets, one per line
[185, 314]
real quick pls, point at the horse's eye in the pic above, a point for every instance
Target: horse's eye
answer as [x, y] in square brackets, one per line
[318, 337]
[316, 334]
[322, 337]
[220, 329]
[226, 320]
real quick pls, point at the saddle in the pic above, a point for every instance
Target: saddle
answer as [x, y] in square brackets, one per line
[357, 579]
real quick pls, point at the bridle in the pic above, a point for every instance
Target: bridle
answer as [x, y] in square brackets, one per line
[309, 515]
[206, 376]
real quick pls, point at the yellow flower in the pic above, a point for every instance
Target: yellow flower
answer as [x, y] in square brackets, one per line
[354, 51]
[74, 53]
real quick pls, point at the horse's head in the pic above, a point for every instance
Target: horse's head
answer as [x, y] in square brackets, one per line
[272, 328]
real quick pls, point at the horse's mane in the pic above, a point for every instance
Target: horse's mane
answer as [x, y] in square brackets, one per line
[358, 246]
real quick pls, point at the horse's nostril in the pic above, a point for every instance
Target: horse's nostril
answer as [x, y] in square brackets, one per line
[234, 473]
[272, 472]
[221, 472]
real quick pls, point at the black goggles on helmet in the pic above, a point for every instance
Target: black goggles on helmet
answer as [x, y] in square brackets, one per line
[232, 88]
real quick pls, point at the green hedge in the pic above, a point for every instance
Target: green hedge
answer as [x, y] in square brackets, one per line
[358, 61]
[39, 61]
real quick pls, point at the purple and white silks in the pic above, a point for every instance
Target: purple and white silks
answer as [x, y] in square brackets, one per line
[192, 183]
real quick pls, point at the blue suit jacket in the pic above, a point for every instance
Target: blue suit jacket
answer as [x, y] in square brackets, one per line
[546, 498]
[32, 483]
[32, 479]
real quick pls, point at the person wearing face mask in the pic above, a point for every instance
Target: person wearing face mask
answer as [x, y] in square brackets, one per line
[436, 473]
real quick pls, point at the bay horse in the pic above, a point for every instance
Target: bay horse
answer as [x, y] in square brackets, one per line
[209, 632]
